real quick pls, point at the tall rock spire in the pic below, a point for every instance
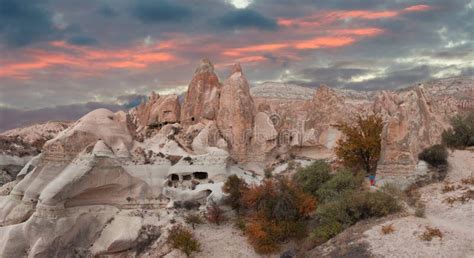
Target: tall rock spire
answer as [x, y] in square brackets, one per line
[235, 118]
[202, 98]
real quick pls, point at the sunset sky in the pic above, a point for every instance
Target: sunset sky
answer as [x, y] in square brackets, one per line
[62, 58]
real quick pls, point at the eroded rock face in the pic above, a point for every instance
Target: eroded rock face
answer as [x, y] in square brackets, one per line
[157, 111]
[236, 113]
[412, 124]
[202, 98]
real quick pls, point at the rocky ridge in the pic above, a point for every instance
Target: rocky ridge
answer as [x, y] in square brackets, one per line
[108, 168]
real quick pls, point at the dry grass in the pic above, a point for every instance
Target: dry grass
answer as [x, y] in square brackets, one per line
[388, 229]
[465, 197]
[431, 233]
[448, 188]
[468, 181]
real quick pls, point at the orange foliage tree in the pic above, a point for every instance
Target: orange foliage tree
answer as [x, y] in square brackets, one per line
[277, 211]
[360, 148]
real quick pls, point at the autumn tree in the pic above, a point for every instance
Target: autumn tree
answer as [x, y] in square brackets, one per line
[234, 188]
[277, 210]
[360, 146]
[214, 213]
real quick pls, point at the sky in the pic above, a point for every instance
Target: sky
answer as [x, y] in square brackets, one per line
[60, 59]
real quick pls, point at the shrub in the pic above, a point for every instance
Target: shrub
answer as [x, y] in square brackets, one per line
[461, 135]
[468, 180]
[193, 219]
[328, 230]
[239, 223]
[420, 211]
[292, 165]
[378, 204]
[215, 214]
[387, 229]
[277, 212]
[435, 155]
[310, 178]
[430, 233]
[351, 207]
[360, 148]
[448, 188]
[234, 187]
[263, 236]
[279, 200]
[268, 172]
[183, 239]
[339, 183]
[394, 191]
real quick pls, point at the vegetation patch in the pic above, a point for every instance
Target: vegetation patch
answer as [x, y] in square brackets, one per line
[461, 135]
[435, 155]
[387, 229]
[193, 219]
[431, 233]
[183, 239]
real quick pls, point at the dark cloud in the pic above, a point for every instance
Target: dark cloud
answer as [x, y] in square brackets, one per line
[148, 11]
[82, 40]
[23, 22]
[330, 75]
[107, 11]
[246, 18]
[395, 79]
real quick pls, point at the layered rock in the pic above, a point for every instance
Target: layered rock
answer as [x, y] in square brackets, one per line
[412, 124]
[235, 118]
[156, 112]
[18, 146]
[75, 198]
[202, 98]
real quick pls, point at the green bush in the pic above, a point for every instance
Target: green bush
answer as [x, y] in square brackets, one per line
[341, 182]
[461, 135]
[328, 230]
[351, 207]
[435, 155]
[183, 239]
[310, 178]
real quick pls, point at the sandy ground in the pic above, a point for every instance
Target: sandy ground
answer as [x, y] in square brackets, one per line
[223, 241]
[456, 221]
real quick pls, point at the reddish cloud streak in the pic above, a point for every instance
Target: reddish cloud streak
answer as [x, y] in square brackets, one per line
[84, 58]
[318, 30]
[325, 42]
[418, 8]
[328, 17]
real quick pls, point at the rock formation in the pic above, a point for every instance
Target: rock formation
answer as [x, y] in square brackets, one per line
[19, 145]
[156, 112]
[103, 185]
[235, 118]
[202, 98]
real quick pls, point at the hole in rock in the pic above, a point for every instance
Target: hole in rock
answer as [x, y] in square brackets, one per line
[174, 177]
[200, 175]
[187, 177]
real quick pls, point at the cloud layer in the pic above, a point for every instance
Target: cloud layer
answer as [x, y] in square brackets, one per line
[59, 53]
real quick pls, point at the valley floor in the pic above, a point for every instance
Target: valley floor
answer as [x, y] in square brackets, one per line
[455, 221]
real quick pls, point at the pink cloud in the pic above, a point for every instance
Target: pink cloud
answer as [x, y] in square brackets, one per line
[85, 59]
